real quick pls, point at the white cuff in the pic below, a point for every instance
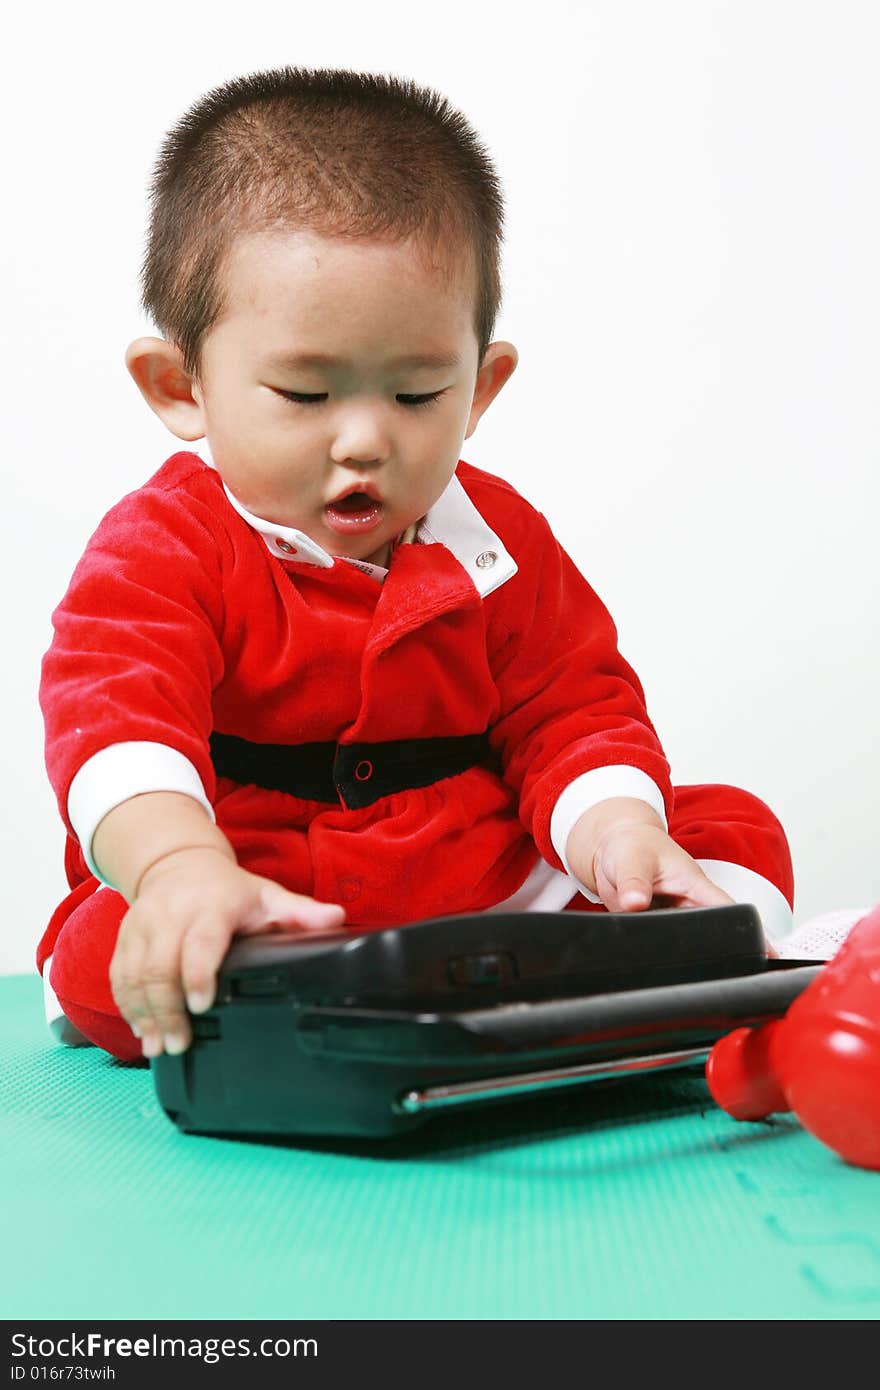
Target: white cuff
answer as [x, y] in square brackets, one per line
[587, 791]
[120, 771]
[745, 886]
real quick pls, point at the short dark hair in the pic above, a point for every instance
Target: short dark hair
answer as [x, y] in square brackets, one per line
[342, 153]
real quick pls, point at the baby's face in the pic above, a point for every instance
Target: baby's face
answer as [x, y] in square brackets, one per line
[338, 385]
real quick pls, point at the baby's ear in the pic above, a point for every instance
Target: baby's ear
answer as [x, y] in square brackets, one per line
[498, 365]
[158, 371]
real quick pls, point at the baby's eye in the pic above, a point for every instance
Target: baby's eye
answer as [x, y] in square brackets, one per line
[303, 397]
[420, 400]
[315, 397]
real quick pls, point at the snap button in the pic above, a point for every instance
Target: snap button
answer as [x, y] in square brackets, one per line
[285, 546]
[487, 559]
[364, 770]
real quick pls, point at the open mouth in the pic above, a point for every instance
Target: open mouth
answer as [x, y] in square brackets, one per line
[357, 511]
[354, 502]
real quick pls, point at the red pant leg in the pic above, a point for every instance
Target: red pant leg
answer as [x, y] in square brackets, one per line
[80, 973]
[720, 822]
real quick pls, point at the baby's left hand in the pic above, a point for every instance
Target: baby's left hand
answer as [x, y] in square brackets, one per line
[621, 852]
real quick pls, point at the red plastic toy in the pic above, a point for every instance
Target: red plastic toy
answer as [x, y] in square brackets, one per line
[822, 1060]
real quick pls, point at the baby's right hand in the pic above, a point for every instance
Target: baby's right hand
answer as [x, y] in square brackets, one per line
[174, 936]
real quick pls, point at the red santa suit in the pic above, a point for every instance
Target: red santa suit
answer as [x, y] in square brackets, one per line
[409, 743]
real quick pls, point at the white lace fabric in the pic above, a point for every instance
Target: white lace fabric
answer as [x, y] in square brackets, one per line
[821, 937]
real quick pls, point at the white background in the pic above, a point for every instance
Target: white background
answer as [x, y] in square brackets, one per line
[691, 277]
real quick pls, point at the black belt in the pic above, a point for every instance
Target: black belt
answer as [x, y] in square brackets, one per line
[357, 774]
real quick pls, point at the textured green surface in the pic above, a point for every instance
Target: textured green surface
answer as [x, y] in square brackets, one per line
[637, 1200]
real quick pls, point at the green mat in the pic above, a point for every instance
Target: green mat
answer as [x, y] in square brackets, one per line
[637, 1199]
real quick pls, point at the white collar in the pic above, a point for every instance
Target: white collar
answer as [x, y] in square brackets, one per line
[453, 521]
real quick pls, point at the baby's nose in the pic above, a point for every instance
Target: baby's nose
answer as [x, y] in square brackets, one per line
[362, 437]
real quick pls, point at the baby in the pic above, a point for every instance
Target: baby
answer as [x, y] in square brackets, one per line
[320, 673]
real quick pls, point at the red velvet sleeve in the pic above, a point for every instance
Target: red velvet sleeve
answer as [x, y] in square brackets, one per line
[569, 701]
[136, 651]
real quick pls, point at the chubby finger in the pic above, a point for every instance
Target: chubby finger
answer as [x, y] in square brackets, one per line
[702, 892]
[201, 956]
[165, 1026]
[626, 885]
[279, 907]
[126, 977]
[634, 894]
